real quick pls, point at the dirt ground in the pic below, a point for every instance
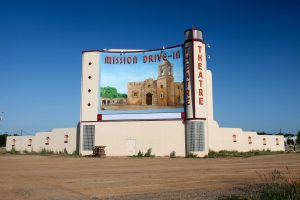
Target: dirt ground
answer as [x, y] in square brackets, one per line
[78, 178]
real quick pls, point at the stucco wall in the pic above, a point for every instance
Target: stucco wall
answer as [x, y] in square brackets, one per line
[222, 139]
[56, 141]
[162, 136]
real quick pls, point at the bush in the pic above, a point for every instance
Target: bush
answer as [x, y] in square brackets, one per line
[65, 151]
[13, 151]
[140, 154]
[225, 154]
[275, 186]
[149, 153]
[191, 155]
[45, 151]
[173, 154]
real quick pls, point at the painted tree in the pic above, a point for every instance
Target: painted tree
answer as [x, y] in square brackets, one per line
[298, 138]
[111, 92]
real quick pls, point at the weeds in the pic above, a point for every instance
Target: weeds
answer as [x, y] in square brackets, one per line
[173, 154]
[224, 154]
[142, 155]
[191, 155]
[275, 186]
[43, 152]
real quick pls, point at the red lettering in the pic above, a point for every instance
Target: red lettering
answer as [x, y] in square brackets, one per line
[134, 60]
[200, 66]
[150, 58]
[187, 92]
[145, 59]
[187, 75]
[199, 48]
[200, 81]
[200, 92]
[201, 101]
[165, 56]
[188, 101]
[129, 60]
[200, 75]
[199, 57]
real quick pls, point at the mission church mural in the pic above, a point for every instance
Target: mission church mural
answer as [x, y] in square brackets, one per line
[156, 87]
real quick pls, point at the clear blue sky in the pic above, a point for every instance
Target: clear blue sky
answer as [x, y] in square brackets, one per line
[255, 56]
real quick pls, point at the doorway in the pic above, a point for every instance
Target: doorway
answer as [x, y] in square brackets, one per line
[149, 99]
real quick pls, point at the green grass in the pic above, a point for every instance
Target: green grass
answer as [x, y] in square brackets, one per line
[225, 154]
[43, 152]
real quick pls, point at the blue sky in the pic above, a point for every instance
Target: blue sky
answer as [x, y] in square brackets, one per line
[255, 50]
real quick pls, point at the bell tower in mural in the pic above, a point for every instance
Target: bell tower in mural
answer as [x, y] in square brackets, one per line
[165, 84]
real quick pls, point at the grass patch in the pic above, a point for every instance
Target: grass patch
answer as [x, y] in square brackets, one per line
[275, 186]
[225, 154]
[191, 155]
[142, 155]
[43, 152]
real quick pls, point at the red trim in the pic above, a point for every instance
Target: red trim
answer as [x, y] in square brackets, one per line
[192, 40]
[133, 51]
[183, 115]
[130, 120]
[195, 119]
[99, 117]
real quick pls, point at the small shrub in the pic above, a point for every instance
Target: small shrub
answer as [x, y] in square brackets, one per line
[191, 155]
[149, 153]
[275, 186]
[173, 154]
[25, 151]
[224, 153]
[140, 154]
[45, 151]
[13, 151]
[65, 151]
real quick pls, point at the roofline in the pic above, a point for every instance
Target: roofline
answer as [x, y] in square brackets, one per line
[131, 51]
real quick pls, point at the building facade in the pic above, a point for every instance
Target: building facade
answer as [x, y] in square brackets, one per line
[171, 113]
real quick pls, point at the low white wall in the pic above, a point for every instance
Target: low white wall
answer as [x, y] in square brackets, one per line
[162, 136]
[222, 139]
[56, 141]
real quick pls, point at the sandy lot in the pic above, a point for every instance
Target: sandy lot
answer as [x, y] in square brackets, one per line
[72, 178]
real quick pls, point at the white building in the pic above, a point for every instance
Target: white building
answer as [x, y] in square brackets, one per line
[188, 129]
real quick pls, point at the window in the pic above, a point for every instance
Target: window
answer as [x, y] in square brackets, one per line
[264, 141]
[88, 137]
[66, 139]
[29, 142]
[149, 86]
[234, 137]
[277, 141]
[13, 142]
[249, 140]
[135, 94]
[195, 136]
[161, 86]
[47, 141]
[161, 95]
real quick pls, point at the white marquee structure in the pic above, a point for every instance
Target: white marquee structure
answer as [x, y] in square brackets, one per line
[187, 129]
